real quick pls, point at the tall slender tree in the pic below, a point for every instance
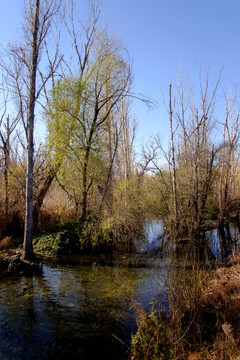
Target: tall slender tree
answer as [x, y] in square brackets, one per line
[173, 163]
[27, 79]
[28, 231]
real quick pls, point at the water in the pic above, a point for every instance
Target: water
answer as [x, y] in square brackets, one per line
[223, 244]
[152, 241]
[79, 309]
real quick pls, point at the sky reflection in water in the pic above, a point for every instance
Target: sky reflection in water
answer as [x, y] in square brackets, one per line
[79, 310]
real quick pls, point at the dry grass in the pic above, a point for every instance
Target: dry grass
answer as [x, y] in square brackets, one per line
[203, 322]
[7, 243]
[56, 207]
[205, 313]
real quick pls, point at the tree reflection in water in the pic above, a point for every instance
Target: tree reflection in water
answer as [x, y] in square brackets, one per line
[76, 310]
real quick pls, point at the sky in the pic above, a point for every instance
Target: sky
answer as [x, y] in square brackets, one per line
[162, 37]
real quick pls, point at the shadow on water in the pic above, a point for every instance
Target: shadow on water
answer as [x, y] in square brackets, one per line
[79, 309]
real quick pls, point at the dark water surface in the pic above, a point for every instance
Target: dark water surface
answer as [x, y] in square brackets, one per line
[79, 309]
[82, 307]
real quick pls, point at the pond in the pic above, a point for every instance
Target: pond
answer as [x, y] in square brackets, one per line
[79, 309]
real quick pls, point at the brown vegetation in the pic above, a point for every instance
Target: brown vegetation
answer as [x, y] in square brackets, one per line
[7, 243]
[203, 320]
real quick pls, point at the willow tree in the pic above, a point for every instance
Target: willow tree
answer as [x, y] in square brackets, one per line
[25, 67]
[83, 103]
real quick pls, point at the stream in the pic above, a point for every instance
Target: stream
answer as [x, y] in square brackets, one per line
[81, 308]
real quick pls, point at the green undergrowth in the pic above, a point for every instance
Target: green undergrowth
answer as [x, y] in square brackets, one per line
[93, 235]
[72, 237]
[151, 339]
[58, 240]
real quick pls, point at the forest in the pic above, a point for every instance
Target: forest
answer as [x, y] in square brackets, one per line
[72, 181]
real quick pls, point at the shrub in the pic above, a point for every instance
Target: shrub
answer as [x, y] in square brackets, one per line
[73, 236]
[151, 341]
[62, 239]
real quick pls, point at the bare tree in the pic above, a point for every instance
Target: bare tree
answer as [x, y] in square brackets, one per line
[228, 160]
[173, 163]
[26, 81]
[7, 128]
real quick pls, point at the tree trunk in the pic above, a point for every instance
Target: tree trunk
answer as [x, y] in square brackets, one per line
[28, 231]
[173, 165]
[42, 193]
[85, 182]
[6, 149]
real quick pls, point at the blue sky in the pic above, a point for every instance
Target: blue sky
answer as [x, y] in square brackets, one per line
[162, 36]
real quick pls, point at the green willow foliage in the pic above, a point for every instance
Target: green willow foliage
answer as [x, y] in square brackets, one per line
[84, 126]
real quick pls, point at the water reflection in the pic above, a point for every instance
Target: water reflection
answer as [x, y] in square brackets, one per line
[153, 238]
[77, 309]
[223, 242]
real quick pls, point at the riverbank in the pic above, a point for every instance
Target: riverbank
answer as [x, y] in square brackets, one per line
[218, 315]
[12, 264]
[203, 319]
